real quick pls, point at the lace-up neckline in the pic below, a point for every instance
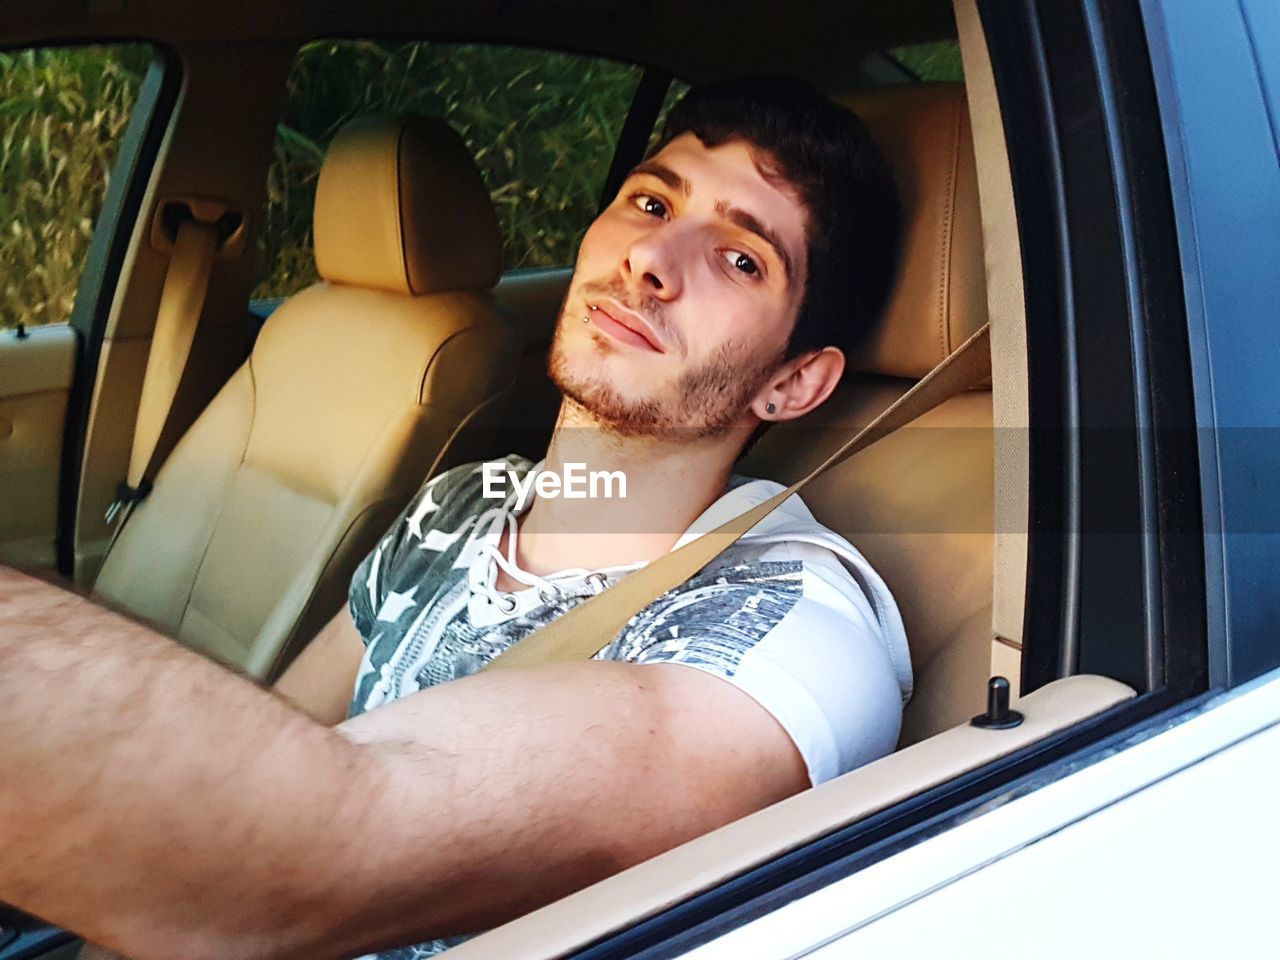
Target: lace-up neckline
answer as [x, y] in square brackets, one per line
[550, 588]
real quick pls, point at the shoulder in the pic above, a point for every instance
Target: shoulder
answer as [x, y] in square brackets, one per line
[820, 668]
[721, 612]
[836, 572]
[828, 679]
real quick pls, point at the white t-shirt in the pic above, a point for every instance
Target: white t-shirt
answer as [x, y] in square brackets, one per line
[791, 614]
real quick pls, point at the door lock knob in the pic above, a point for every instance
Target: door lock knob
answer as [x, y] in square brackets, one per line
[998, 715]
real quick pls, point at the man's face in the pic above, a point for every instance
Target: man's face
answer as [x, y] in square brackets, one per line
[695, 273]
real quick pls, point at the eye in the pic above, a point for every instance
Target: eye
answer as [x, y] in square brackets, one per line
[742, 262]
[649, 204]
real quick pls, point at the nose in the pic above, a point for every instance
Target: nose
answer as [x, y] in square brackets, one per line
[651, 263]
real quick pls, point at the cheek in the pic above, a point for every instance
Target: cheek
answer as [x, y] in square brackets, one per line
[733, 327]
[604, 241]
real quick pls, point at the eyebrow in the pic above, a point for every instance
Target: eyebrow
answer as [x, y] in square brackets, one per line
[735, 215]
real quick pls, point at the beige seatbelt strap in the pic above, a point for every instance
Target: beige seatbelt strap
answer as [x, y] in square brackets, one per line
[1007, 313]
[181, 303]
[582, 631]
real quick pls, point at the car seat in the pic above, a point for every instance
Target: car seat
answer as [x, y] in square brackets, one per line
[355, 389]
[920, 503]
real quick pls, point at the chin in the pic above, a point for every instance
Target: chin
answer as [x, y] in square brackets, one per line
[622, 395]
[596, 375]
[591, 372]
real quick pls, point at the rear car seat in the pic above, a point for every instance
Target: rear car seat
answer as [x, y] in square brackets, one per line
[920, 503]
[355, 390]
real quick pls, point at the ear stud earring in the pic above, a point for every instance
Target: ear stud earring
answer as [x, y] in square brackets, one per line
[770, 408]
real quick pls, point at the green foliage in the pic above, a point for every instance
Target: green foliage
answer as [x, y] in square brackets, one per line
[62, 114]
[541, 126]
[932, 61]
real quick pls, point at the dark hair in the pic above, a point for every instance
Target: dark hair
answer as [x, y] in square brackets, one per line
[823, 152]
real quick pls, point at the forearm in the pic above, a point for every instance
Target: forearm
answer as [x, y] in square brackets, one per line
[149, 798]
[550, 778]
[153, 802]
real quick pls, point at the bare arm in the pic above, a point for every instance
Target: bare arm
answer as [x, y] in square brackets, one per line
[320, 682]
[164, 807]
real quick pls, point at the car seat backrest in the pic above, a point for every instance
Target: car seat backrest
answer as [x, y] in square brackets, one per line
[919, 504]
[355, 388]
[401, 207]
[939, 298]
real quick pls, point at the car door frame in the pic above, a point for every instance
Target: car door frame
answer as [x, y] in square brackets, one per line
[1220, 123]
[104, 263]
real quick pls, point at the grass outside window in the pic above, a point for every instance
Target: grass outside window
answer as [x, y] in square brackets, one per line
[541, 126]
[63, 113]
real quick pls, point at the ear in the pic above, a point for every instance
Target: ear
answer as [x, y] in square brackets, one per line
[800, 385]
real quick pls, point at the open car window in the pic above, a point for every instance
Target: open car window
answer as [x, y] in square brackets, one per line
[541, 126]
[65, 113]
[938, 61]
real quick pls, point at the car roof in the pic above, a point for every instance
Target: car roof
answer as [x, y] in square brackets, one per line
[808, 38]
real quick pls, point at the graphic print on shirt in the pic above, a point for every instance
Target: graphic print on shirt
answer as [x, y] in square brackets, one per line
[417, 595]
[415, 601]
[713, 619]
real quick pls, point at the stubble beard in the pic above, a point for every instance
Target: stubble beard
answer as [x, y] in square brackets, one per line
[703, 403]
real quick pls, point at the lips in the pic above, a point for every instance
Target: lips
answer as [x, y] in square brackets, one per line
[622, 324]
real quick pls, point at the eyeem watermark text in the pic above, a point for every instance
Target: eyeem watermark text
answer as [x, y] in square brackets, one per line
[575, 483]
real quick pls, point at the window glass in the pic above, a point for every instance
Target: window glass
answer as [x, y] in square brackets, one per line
[932, 61]
[675, 91]
[541, 126]
[63, 113]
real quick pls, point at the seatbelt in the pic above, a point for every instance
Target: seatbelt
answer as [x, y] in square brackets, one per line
[581, 632]
[1007, 313]
[186, 282]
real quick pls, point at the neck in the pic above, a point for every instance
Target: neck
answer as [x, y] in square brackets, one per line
[669, 483]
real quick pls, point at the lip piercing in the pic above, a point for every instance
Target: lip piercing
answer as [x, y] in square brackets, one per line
[593, 310]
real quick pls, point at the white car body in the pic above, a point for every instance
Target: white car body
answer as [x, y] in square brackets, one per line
[1126, 856]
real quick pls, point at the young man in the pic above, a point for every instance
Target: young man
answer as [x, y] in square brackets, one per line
[190, 814]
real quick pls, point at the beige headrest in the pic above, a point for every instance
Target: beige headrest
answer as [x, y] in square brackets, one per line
[939, 298]
[400, 206]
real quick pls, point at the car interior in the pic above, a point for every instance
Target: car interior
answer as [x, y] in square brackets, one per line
[246, 545]
[415, 351]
